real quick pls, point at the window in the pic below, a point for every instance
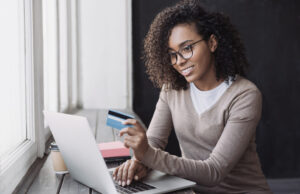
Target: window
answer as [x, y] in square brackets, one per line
[21, 99]
[12, 78]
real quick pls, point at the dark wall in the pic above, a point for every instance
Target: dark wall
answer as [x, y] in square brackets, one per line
[270, 30]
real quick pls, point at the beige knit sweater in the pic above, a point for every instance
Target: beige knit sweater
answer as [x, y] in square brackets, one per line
[218, 146]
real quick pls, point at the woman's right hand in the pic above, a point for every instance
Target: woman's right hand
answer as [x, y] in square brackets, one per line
[129, 170]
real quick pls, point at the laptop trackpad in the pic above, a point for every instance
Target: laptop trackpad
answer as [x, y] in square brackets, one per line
[160, 180]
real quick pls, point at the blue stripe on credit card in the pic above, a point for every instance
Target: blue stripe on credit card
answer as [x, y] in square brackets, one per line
[115, 119]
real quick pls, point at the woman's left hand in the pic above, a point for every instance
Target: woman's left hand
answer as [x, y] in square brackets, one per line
[136, 138]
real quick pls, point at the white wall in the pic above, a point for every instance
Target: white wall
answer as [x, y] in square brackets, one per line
[104, 53]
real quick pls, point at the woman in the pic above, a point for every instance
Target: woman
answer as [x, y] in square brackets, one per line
[198, 60]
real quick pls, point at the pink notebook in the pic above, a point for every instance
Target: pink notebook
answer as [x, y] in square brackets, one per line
[113, 149]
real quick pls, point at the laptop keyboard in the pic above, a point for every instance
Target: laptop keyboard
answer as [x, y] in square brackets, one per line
[134, 187]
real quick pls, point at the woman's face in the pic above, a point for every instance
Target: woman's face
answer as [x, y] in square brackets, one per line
[200, 66]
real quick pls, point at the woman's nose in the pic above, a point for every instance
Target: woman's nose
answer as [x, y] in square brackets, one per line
[180, 60]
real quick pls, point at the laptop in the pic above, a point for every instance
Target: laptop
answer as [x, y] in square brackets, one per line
[86, 165]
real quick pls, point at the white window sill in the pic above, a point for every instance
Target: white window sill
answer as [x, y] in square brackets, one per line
[15, 165]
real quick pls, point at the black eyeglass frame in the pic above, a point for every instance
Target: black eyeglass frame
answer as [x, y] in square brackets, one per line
[179, 52]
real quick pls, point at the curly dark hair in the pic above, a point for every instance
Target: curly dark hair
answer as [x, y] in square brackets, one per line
[229, 56]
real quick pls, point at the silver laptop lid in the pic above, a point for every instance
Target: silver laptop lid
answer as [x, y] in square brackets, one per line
[77, 145]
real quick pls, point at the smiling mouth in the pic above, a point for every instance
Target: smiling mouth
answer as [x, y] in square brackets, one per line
[188, 70]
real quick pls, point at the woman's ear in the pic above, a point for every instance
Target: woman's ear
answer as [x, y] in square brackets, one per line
[212, 43]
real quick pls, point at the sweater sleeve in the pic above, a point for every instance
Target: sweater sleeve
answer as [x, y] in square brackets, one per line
[161, 123]
[244, 114]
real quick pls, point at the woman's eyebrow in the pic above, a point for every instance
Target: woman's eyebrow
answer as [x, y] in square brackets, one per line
[181, 44]
[184, 42]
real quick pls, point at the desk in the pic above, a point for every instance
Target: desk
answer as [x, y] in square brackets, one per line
[47, 182]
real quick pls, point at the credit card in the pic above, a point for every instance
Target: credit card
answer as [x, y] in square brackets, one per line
[115, 119]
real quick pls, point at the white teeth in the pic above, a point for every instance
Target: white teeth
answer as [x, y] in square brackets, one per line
[187, 70]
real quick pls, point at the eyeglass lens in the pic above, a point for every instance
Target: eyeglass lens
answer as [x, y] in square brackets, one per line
[185, 53]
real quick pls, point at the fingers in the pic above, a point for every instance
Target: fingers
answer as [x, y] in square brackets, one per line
[131, 122]
[141, 172]
[129, 143]
[136, 140]
[131, 171]
[129, 130]
[119, 174]
[125, 172]
[135, 124]
[115, 173]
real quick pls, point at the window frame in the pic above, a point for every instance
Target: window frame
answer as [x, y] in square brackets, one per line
[15, 164]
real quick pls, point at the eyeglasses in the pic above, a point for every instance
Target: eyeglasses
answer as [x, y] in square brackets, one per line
[185, 52]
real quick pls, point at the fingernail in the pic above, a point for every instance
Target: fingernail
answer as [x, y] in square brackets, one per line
[123, 183]
[128, 182]
[136, 177]
[119, 182]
